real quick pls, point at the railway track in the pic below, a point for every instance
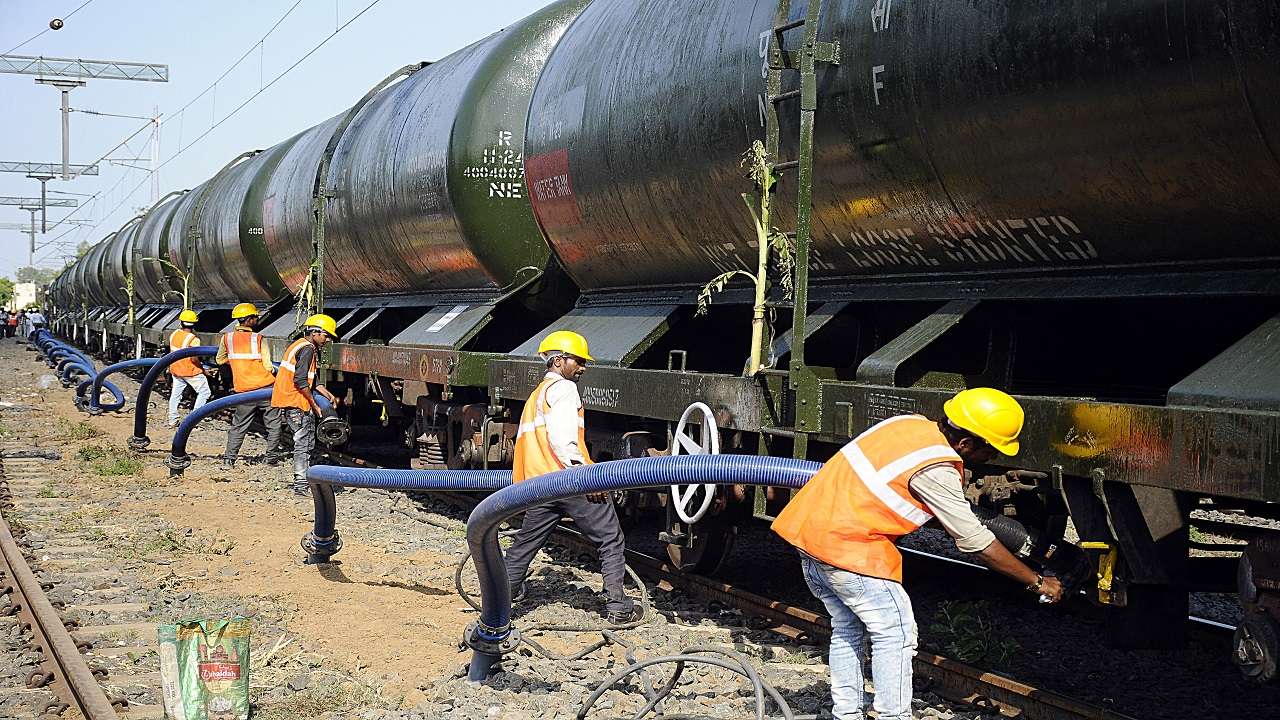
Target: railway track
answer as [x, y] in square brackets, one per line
[74, 673]
[947, 677]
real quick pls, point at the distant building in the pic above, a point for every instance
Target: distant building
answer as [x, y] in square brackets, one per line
[25, 294]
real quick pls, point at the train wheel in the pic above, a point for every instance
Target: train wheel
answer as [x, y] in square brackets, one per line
[706, 550]
[1257, 648]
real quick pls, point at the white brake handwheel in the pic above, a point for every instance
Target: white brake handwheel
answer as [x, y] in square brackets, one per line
[683, 443]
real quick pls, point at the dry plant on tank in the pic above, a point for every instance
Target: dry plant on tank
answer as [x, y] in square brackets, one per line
[769, 240]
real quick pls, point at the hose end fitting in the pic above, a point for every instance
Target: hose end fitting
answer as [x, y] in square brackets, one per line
[488, 645]
[177, 463]
[318, 550]
[332, 430]
[138, 444]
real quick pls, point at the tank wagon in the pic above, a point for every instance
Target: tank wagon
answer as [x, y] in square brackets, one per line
[1069, 201]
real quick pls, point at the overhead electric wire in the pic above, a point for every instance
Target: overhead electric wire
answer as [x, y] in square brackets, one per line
[239, 107]
[42, 32]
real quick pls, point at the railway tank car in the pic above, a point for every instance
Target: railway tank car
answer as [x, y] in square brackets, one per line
[1070, 201]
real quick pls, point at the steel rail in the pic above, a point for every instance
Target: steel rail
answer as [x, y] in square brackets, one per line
[66, 671]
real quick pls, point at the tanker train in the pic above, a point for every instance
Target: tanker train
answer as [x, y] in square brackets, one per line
[1073, 201]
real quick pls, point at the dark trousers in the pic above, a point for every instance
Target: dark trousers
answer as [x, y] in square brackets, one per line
[597, 521]
[242, 419]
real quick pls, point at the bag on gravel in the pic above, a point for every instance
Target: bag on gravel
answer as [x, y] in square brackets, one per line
[204, 669]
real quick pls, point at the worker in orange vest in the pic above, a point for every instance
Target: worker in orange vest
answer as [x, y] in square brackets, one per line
[187, 371]
[885, 483]
[552, 437]
[249, 355]
[295, 388]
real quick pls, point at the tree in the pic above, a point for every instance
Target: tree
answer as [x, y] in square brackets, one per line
[6, 290]
[83, 248]
[39, 276]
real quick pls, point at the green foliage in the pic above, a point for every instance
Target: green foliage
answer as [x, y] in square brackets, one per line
[966, 632]
[111, 461]
[81, 430]
[6, 290]
[39, 276]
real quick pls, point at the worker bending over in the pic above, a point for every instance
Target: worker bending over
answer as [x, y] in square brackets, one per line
[294, 392]
[250, 358]
[885, 483]
[551, 437]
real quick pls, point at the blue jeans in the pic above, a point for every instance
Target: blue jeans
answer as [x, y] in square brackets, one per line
[863, 607]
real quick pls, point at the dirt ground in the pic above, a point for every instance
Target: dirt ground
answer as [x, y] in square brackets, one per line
[372, 610]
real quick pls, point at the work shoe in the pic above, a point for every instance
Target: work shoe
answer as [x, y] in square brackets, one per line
[517, 594]
[301, 489]
[272, 460]
[624, 617]
[228, 464]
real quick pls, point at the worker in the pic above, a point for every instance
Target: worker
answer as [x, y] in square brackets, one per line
[250, 358]
[885, 483]
[36, 319]
[4, 323]
[293, 394]
[551, 437]
[187, 371]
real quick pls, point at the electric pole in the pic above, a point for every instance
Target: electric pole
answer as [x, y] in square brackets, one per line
[66, 74]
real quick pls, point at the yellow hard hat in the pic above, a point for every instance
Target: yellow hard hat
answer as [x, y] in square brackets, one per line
[565, 341]
[243, 310]
[188, 316]
[988, 413]
[324, 322]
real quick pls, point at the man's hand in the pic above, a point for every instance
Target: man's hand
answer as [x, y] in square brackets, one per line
[327, 395]
[1051, 590]
[598, 498]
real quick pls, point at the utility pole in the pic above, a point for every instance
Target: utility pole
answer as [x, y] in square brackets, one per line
[33, 206]
[65, 74]
[44, 172]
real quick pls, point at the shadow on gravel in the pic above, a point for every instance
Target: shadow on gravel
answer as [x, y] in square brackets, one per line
[333, 573]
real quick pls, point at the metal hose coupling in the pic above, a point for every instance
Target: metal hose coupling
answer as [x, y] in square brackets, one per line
[320, 549]
[491, 641]
[332, 430]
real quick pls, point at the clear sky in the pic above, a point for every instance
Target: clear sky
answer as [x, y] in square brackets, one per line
[199, 40]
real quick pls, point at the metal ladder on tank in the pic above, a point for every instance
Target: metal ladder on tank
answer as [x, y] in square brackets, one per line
[798, 379]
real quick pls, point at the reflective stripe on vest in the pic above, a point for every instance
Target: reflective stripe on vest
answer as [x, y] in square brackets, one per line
[244, 355]
[533, 453]
[283, 393]
[181, 339]
[849, 514]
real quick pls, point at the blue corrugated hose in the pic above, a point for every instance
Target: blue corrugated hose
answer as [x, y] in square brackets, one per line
[489, 637]
[140, 439]
[95, 406]
[323, 541]
[178, 459]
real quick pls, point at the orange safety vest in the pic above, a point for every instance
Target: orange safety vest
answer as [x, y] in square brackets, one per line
[534, 455]
[284, 394]
[244, 355]
[853, 510]
[186, 367]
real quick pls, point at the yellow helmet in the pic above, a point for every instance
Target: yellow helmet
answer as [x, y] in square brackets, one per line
[565, 341]
[188, 316]
[324, 322]
[988, 413]
[243, 310]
